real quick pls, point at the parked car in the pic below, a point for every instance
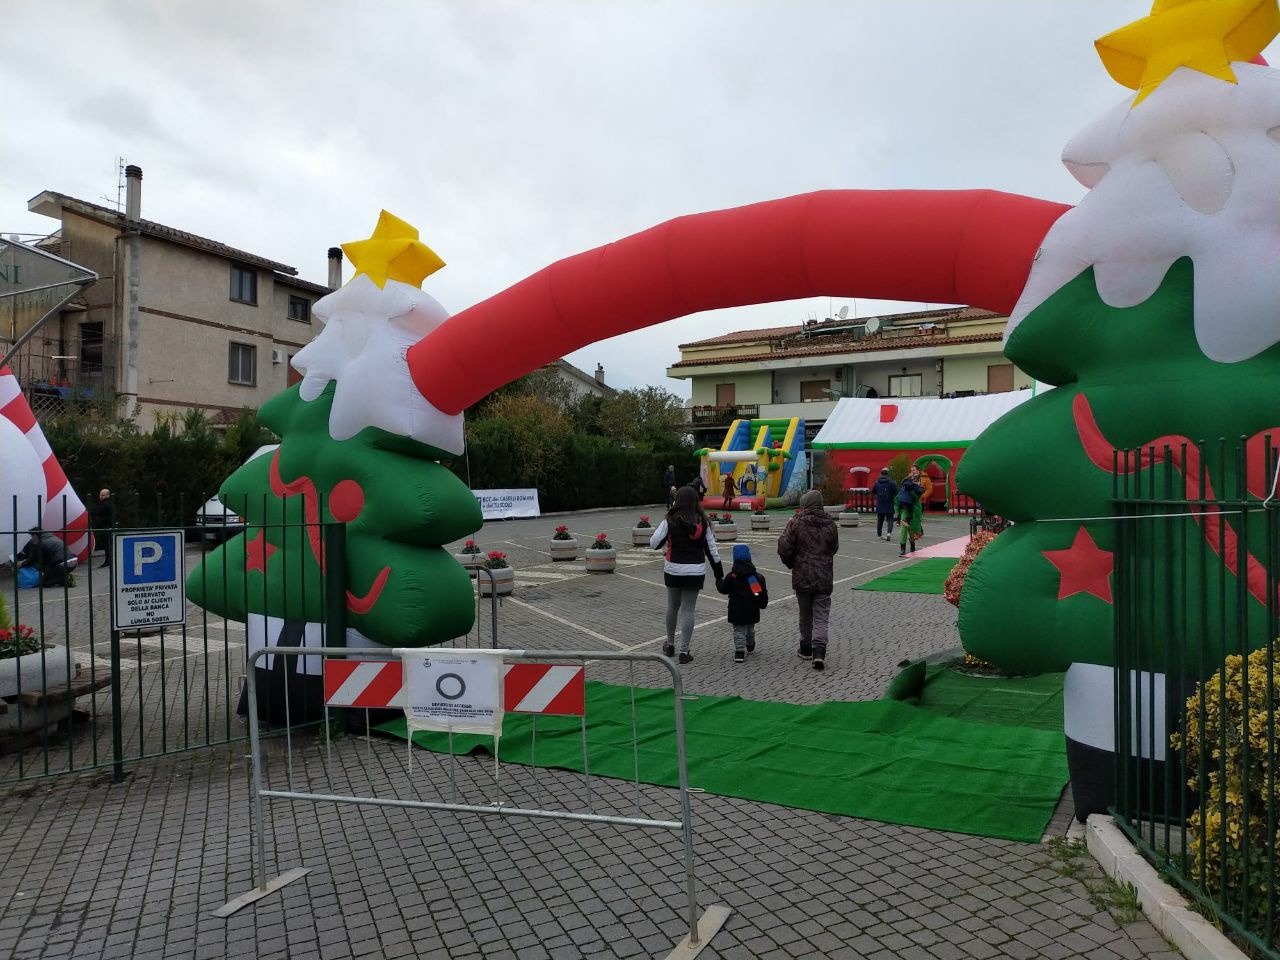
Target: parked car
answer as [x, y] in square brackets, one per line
[215, 521]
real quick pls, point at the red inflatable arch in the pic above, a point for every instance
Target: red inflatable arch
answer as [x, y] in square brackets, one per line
[973, 247]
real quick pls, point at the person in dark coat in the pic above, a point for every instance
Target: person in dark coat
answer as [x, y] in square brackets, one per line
[690, 546]
[885, 491]
[748, 595]
[104, 522]
[807, 546]
[48, 555]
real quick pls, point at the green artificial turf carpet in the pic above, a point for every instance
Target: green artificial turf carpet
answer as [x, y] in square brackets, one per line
[878, 760]
[922, 576]
[1014, 701]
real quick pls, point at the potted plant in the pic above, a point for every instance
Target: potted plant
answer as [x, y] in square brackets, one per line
[501, 578]
[641, 533]
[723, 527]
[29, 666]
[760, 520]
[601, 557]
[849, 517]
[470, 557]
[563, 545]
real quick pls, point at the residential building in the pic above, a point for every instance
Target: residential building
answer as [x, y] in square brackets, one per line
[802, 370]
[581, 382]
[176, 321]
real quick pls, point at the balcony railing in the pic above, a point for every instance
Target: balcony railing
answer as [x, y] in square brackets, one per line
[722, 415]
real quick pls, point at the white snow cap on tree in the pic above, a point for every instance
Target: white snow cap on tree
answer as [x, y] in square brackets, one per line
[362, 347]
[1193, 170]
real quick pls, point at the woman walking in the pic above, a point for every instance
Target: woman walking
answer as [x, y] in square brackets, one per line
[690, 544]
[807, 546]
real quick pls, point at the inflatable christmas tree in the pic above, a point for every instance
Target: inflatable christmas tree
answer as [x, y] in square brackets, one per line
[1152, 309]
[359, 445]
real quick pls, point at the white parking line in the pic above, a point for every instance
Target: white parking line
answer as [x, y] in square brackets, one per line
[567, 623]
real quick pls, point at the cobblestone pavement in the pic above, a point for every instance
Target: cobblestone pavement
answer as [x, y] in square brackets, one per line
[96, 870]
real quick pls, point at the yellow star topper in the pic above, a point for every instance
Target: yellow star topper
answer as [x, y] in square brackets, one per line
[394, 252]
[1205, 35]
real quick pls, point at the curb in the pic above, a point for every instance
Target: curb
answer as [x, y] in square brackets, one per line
[1165, 907]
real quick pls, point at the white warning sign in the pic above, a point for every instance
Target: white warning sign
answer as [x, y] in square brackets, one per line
[453, 690]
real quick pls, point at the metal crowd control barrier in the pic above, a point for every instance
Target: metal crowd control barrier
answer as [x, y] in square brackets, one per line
[699, 931]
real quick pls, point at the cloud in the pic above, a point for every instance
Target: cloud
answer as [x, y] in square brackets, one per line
[513, 134]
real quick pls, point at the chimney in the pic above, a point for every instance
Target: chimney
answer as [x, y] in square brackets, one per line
[600, 374]
[335, 268]
[133, 192]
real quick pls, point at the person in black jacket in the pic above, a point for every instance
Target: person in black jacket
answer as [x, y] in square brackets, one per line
[748, 595]
[48, 555]
[690, 544]
[885, 491]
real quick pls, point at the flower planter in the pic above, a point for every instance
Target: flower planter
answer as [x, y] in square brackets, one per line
[470, 561]
[601, 559]
[834, 511]
[564, 549]
[640, 536]
[502, 583]
[759, 523]
[35, 678]
[725, 531]
[849, 518]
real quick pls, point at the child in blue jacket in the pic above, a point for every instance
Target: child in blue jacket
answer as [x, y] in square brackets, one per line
[748, 595]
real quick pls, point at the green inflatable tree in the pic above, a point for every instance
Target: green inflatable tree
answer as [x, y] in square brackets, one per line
[361, 446]
[1151, 309]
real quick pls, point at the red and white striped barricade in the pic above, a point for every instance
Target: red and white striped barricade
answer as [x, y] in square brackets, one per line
[538, 688]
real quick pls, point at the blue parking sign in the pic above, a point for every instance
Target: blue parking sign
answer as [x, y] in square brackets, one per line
[149, 559]
[148, 588]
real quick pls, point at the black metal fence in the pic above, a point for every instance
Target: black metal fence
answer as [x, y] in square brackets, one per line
[1197, 677]
[82, 696]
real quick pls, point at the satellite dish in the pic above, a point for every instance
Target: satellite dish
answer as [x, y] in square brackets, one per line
[844, 312]
[872, 325]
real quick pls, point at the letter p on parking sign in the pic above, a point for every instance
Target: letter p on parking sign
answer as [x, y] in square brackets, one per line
[147, 586]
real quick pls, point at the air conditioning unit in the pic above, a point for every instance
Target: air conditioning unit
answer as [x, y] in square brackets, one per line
[277, 356]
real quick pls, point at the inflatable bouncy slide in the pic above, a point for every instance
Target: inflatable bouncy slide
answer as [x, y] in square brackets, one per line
[1150, 307]
[764, 457]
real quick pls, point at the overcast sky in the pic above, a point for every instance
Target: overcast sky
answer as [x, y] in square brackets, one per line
[514, 134]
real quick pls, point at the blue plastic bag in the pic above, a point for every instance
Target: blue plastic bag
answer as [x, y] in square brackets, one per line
[28, 577]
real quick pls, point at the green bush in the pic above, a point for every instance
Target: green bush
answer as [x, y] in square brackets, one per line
[1234, 735]
[161, 477]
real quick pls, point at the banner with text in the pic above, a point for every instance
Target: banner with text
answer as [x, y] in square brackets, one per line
[508, 504]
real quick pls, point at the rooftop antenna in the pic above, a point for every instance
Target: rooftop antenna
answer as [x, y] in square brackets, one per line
[119, 200]
[844, 313]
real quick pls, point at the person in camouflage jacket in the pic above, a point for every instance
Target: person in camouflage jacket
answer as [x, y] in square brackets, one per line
[807, 546]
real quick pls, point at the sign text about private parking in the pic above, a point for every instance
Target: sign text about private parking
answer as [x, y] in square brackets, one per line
[147, 579]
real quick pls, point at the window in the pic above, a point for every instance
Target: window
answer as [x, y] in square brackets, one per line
[244, 284]
[1000, 378]
[814, 389]
[726, 394]
[242, 364]
[292, 376]
[91, 349]
[300, 309]
[905, 385]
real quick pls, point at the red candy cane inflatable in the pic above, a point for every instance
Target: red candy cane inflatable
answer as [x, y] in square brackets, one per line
[62, 512]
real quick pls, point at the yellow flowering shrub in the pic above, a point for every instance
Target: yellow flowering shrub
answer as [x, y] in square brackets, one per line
[1240, 783]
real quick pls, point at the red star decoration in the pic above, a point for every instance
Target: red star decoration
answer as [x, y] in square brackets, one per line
[257, 552]
[1084, 567]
